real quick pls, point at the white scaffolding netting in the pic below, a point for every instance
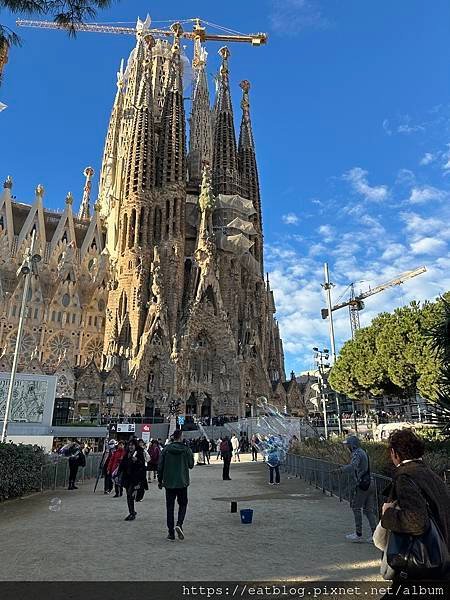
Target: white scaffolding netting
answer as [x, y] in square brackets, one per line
[236, 204]
[244, 226]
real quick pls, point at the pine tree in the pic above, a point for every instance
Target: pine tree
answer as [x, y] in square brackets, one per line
[67, 13]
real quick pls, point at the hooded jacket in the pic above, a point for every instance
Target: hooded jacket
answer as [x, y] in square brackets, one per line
[359, 462]
[174, 463]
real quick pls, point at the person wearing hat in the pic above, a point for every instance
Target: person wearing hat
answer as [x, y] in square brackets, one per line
[363, 494]
[110, 449]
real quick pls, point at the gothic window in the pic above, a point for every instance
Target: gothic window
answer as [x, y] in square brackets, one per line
[149, 228]
[27, 345]
[94, 349]
[123, 305]
[141, 226]
[132, 229]
[124, 232]
[60, 347]
[157, 224]
[65, 300]
[167, 217]
[174, 222]
[64, 237]
[94, 245]
[101, 305]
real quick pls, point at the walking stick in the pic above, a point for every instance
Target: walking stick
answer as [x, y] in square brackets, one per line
[100, 468]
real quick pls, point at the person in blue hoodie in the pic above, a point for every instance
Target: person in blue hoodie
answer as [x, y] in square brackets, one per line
[274, 462]
[363, 496]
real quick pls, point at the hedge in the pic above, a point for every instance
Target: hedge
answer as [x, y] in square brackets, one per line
[437, 454]
[20, 470]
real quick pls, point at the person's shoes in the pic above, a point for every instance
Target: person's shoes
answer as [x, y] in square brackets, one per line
[277, 483]
[179, 531]
[131, 517]
[171, 537]
[106, 493]
[227, 478]
[270, 483]
[354, 537]
[70, 487]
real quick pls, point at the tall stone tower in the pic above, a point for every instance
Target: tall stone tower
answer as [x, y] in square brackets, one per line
[157, 292]
[189, 316]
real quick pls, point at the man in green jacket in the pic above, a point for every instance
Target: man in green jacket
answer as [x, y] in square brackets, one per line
[173, 473]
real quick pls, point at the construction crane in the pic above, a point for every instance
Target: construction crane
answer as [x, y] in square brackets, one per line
[355, 302]
[198, 34]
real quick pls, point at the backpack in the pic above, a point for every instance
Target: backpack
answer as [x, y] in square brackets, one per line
[224, 446]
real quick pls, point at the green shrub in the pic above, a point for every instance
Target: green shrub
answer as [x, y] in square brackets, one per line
[437, 454]
[20, 470]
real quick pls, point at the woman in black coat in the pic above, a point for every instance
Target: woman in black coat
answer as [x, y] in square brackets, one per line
[133, 475]
[414, 486]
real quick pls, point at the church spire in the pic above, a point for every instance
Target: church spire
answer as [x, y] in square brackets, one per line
[225, 160]
[171, 157]
[248, 169]
[200, 141]
[85, 212]
[140, 162]
[111, 151]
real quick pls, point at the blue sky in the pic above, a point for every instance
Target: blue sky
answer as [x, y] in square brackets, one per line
[351, 112]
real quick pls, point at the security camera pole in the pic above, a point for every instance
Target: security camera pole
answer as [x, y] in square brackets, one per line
[27, 268]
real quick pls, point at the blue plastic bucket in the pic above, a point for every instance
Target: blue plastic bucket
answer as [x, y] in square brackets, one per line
[246, 515]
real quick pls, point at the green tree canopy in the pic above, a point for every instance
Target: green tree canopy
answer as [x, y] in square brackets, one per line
[398, 354]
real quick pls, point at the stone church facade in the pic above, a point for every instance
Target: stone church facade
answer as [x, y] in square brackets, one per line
[158, 292]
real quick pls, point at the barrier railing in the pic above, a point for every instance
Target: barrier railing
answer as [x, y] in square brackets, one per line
[325, 476]
[55, 473]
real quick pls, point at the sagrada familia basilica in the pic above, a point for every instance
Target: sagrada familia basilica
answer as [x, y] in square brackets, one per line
[155, 292]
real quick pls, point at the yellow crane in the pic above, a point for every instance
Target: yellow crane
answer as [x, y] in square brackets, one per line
[355, 302]
[199, 34]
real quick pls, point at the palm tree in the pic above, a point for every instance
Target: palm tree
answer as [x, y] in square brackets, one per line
[67, 13]
[440, 343]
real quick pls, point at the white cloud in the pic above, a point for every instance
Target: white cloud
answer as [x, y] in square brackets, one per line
[387, 127]
[428, 245]
[291, 16]
[327, 232]
[427, 159]
[393, 251]
[406, 126]
[405, 177]
[419, 226]
[358, 180]
[290, 219]
[426, 193]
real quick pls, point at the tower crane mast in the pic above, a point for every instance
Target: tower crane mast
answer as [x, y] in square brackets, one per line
[356, 304]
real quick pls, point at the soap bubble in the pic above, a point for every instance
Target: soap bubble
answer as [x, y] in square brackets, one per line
[55, 504]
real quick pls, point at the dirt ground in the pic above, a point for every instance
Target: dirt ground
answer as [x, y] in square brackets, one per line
[297, 533]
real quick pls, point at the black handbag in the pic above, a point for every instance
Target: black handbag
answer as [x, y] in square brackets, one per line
[422, 556]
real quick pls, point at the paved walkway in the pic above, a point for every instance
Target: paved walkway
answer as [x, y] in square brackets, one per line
[297, 533]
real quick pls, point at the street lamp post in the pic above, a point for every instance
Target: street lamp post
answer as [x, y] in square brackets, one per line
[27, 268]
[110, 398]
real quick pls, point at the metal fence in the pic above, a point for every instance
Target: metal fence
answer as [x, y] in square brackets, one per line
[55, 473]
[324, 476]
